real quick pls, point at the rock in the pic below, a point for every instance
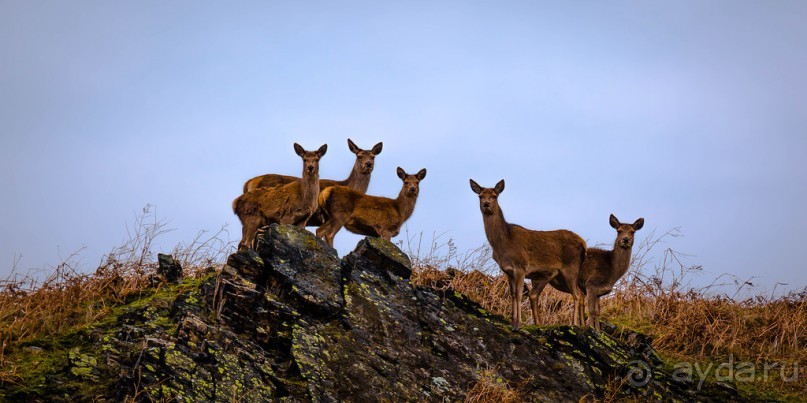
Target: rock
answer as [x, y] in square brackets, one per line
[169, 268]
[303, 266]
[385, 255]
[248, 265]
[424, 347]
[293, 322]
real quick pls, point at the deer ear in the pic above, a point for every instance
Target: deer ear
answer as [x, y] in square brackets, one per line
[322, 150]
[299, 149]
[421, 174]
[638, 224]
[499, 188]
[377, 148]
[475, 187]
[613, 221]
[352, 146]
[401, 173]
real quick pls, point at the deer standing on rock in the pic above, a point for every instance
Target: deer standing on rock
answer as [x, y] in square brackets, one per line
[540, 256]
[603, 268]
[292, 203]
[359, 178]
[368, 215]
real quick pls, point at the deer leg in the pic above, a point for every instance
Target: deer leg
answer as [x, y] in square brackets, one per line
[322, 232]
[242, 246]
[535, 292]
[579, 303]
[302, 221]
[597, 313]
[570, 278]
[380, 232]
[249, 227]
[591, 305]
[516, 287]
[383, 233]
[511, 281]
[579, 306]
[328, 231]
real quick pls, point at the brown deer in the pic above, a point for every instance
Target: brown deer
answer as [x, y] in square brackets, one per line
[292, 203]
[539, 256]
[358, 179]
[368, 215]
[604, 267]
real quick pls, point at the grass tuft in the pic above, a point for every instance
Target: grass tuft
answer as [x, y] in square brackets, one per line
[490, 387]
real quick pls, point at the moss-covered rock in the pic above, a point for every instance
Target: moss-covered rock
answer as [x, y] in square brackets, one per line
[293, 322]
[304, 267]
[385, 256]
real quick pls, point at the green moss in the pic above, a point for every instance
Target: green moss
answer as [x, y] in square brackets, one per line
[390, 250]
[311, 243]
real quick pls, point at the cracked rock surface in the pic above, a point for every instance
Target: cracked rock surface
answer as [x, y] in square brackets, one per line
[291, 321]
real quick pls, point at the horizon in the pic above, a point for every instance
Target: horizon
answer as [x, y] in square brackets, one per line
[689, 115]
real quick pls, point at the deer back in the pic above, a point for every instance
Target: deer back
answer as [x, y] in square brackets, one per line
[268, 181]
[544, 249]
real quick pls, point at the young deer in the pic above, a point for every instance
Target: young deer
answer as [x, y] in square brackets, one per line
[368, 215]
[292, 203]
[604, 267]
[359, 178]
[539, 256]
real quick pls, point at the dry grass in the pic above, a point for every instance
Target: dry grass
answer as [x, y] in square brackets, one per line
[490, 387]
[656, 296]
[69, 299]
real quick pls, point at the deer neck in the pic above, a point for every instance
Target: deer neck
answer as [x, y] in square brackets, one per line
[620, 260]
[358, 180]
[405, 204]
[309, 187]
[496, 228]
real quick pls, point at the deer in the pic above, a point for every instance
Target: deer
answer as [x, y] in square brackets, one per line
[292, 203]
[540, 256]
[603, 268]
[368, 215]
[358, 179]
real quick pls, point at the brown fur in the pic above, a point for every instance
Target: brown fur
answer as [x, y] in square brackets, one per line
[359, 178]
[292, 203]
[540, 256]
[603, 268]
[368, 215]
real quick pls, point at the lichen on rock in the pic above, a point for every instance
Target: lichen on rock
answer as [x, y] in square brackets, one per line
[291, 321]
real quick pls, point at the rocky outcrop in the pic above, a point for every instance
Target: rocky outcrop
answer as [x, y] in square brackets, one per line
[294, 322]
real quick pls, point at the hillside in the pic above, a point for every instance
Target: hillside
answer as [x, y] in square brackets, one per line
[295, 322]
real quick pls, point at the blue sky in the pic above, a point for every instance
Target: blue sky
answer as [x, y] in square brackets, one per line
[690, 114]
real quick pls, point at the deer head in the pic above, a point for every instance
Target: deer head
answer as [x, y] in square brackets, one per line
[488, 197]
[411, 183]
[625, 232]
[365, 159]
[310, 158]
